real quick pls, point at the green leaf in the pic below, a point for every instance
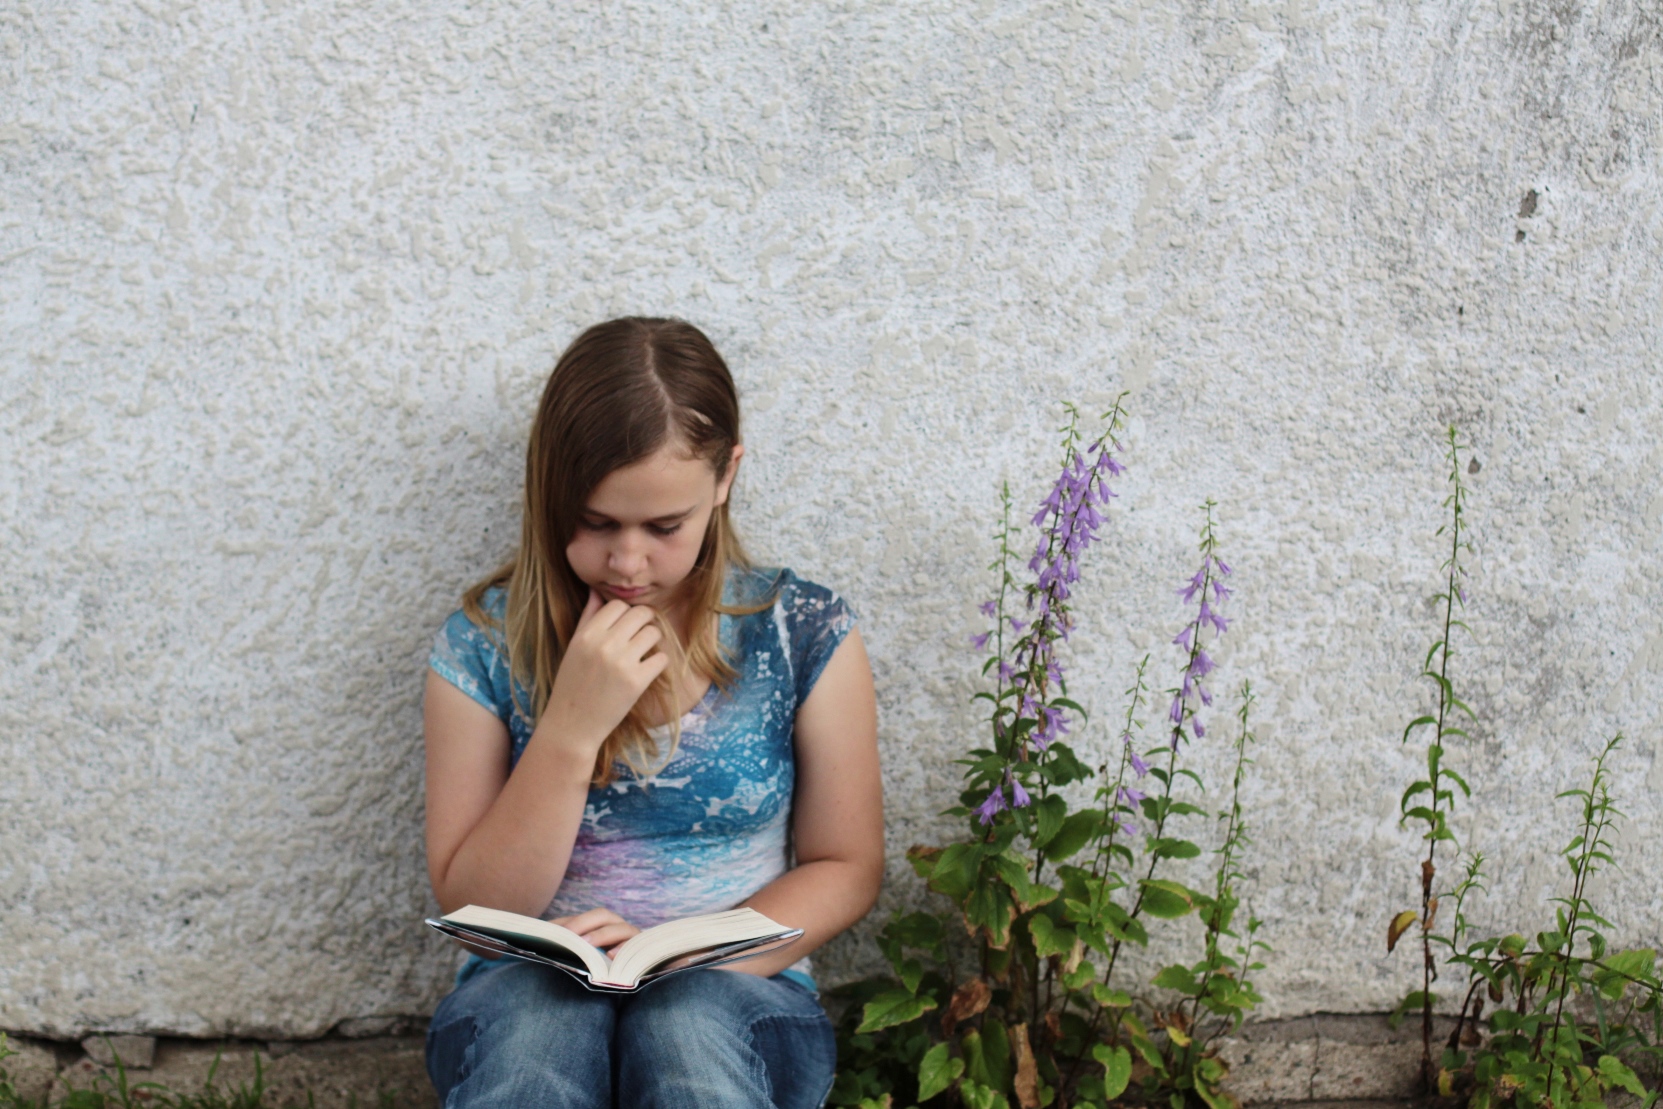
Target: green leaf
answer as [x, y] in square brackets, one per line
[990, 908]
[1049, 817]
[1049, 937]
[1117, 1068]
[1109, 998]
[1417, 787]
[1071, 706]
[1176, 978]
[937, 1072]
[996, 1054]
[955, 870]
[1062, 766]
[1166, 900]
[1621, 968]
[1075, 833]
[893, 1007]
[1174, 849]
[1127, 931]
[917, 929]
[1617, 1073]
[1080, 977]
[1014, 872]
[1415, 723]
[978, 1096]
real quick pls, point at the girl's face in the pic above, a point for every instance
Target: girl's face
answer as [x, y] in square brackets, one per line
[640, 532]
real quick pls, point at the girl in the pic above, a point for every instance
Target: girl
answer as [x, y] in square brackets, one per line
[629, 724]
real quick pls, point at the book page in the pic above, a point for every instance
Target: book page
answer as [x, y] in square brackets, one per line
[528, 931]
[642, 952]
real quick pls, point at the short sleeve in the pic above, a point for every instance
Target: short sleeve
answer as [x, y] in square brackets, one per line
[816, 621]
[465, 655]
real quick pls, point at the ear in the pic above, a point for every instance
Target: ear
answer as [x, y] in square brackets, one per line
[726, 483]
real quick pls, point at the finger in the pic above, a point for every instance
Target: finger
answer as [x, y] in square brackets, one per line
[611, 935]
[590, 607]
[643, 641]
[655, 664]
[608, 614]
[638, 617]
[589, 920]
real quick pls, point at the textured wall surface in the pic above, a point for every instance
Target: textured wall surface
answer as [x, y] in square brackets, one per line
[279, 282]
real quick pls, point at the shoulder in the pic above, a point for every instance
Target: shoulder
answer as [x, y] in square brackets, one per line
[461, 628]
[811, 620]
[781, 589]
[809, 603]
[472, 656]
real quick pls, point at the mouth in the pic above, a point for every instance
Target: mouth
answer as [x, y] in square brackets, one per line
[624, 593]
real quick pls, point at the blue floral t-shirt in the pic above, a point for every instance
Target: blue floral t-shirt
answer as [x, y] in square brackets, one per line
[710, 827]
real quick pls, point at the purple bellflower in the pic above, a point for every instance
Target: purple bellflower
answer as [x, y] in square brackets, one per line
[995, 804]
[1069, 519]
[1019, 796]
[1139, 767]
[1193, 639]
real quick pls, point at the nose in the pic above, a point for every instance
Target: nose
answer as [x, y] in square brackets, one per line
[627, 556]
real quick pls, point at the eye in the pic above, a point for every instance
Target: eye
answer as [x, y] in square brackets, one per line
[664, 530]
[596, 525]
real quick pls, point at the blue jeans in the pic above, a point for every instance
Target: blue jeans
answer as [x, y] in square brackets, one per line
[520, 1035]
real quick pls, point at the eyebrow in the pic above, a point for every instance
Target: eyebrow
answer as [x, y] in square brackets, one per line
[670, 518]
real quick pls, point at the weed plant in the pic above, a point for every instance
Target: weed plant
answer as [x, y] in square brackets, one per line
[1534, 1049]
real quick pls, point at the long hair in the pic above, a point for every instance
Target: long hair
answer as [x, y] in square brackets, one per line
[621, 391]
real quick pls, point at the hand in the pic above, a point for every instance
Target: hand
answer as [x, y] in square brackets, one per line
[609, 663]
[603, 928]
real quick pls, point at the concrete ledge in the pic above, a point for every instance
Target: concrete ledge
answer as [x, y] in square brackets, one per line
[384, 1072]
[1314, 1062]
[1328, 1057]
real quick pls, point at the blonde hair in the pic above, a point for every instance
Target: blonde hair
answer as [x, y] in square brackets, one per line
[620, 392]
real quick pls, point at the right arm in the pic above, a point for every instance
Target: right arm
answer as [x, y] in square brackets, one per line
[503, 840]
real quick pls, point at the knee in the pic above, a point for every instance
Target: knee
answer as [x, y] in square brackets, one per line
[691, 1015]
[748, 1039]
[518, 1025]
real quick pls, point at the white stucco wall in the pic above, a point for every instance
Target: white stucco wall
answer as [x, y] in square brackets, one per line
[279, 282]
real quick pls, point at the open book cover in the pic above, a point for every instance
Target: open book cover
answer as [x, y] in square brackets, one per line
[695, 941]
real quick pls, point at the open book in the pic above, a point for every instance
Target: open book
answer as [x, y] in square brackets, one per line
[695, 941]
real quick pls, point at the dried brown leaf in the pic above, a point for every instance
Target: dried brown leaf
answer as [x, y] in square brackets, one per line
[969, 1000]
[1027, 1070]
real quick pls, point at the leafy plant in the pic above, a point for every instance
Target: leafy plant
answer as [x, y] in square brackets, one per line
[1050, 893]
[1537, 1052]
[1429, 800]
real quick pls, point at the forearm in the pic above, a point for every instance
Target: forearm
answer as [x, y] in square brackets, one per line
[516, 856]
[822, 897]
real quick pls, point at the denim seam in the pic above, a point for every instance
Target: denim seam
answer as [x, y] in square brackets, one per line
[465, 1068]
[794, 1018]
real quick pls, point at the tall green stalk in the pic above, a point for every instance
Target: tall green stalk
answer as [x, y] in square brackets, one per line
[1434, 811]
